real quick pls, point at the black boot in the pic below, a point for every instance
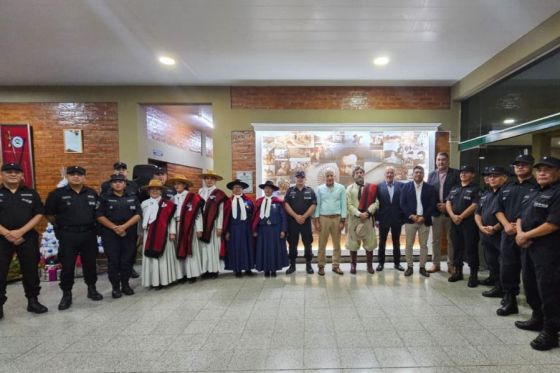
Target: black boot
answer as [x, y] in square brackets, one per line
[489, 281]
[116, 293]
[546, 340]
[495, 292]
[126, 289]
[292, 267]
[309, 267]
[93, 294]
[249, 273]
[1, 311]
[353, 261]
[134, 274]
[66, 300]
[509, 306]
[457, 275]
[473, 278]
[34, 306]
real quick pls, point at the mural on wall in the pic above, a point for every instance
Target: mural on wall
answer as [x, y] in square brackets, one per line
[17, 147]
[285, 152]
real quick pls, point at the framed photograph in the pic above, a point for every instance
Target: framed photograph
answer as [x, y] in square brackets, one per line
[73, 141]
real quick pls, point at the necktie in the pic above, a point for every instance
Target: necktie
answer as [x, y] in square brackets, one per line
[265, 205]
[360, 192]
[238, 206]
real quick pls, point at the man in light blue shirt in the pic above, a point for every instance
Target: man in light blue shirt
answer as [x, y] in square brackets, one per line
[330, 216]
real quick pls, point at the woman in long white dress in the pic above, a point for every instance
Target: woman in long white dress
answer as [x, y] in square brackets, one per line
[162, 270]
[190, 267]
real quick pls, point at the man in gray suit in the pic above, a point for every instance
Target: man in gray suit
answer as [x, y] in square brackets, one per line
[442, 179]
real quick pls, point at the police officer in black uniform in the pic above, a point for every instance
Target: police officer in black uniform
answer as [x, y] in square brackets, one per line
[538, 234]
[21, 210]
[461, 205]
[490, 228]
[118, 214]
[507, 211]
[300, 206]
[120, 168]
[71, 209]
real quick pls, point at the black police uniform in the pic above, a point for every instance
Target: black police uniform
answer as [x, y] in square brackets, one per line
[16, 210]
[75, 228]
[508, 201]
[300, 201]
[541, 260]
[120, 251]
[465, 235]
[491, 244]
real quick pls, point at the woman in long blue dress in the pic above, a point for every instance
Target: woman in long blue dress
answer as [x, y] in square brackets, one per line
[270, 227]
[238, 215]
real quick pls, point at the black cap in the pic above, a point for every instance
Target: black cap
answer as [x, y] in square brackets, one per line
[119, 166]
[467, 168]
[159, 170]
[11, 167]
[549, 161]
[496, 170]
[300, 174]
[117, 178]
[485, 171]
[235, 182]
[523, 158]
[75, 170]
[269, 183]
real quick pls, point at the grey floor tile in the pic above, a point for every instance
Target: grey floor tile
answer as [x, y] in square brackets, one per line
[357, 357]
[321, 358]
[466, 355]
[248, 360]
[284, 359]
[394, 357]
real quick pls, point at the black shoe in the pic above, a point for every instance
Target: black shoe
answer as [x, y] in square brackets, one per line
[399, 267]
[292, 268]
[214, 275]
[309, 268]
[1, 312]
[535, 325]
[495, 292]
[379, 267]
[134, 274]
[489, 281]
[116, 293]
[34, 306]
[545, 341]
[473, 282]
[238, 274]
[456, 276]
[266, 274]
[423, 272]
[127, 290]
[408, 271]
[249, 273]
[93, 294]
[66, 300]
[273, 274]
[192, 280]
[509, 306]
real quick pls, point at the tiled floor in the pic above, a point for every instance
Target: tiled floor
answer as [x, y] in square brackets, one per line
[384, 322]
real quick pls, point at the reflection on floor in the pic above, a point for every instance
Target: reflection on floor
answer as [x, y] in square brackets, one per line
[383, 322]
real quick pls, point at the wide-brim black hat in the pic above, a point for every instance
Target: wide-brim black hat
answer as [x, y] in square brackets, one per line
[270, 184]
[235, 182]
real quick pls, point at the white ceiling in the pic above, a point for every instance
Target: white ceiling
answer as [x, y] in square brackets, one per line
[237, 42]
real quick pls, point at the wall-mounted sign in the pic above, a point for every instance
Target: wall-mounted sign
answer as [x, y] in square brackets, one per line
[73, 141]
[246, 177]
[17, 147]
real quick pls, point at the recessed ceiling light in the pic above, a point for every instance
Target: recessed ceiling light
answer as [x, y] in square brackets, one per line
[381, 61]
[509, 121]
[165, 60]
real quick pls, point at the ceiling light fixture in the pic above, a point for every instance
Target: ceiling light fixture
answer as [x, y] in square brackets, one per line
[509, 121]
[165, 60]
[381, 61]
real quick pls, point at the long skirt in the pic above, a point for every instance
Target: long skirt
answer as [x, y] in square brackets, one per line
[240, 255]
[271, 254]
[160, 271]
[210, 254]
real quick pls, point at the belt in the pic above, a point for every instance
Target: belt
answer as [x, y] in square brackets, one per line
[76, 228]
[331, 216]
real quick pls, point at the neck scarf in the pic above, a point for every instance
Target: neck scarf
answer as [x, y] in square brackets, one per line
[206, 191]
[243, 211]
[151, 212]
[265, 207]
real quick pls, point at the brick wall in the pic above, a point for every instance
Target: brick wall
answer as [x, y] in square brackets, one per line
[341, 98]
[191, 173]
[168, 130]
[243, 156]
[100, 136]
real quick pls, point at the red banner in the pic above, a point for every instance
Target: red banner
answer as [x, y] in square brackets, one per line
[17, 148]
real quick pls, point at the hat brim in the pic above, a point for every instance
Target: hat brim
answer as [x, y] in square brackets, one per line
[113, 180]
[12, 169]
[231, 184]
[213, 176]
[174, 180]
[274, 187]
[549, 164]
[518, 162]
[147, 187]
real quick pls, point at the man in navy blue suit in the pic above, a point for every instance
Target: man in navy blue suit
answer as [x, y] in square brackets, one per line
[389, 217]
[418, 201]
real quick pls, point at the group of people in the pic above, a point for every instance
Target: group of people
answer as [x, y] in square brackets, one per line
[187, 235]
